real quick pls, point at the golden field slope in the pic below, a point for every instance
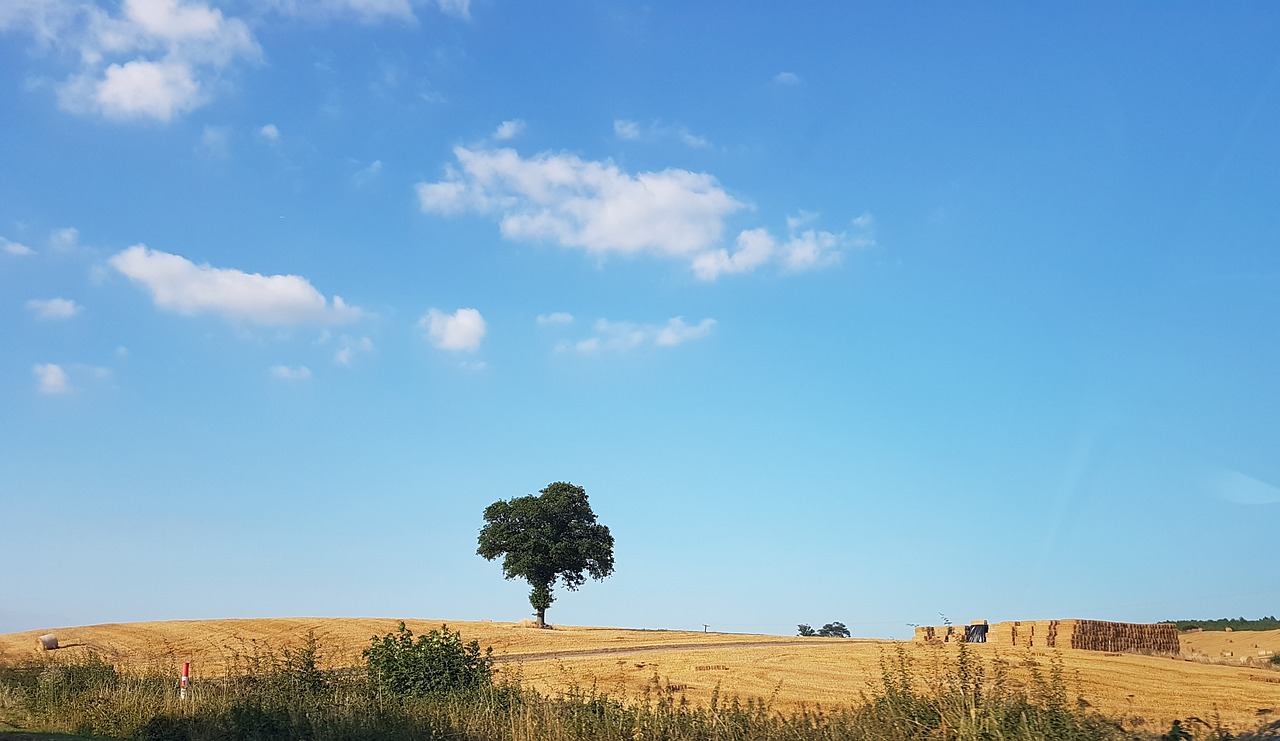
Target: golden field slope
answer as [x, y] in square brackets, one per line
[789, 671]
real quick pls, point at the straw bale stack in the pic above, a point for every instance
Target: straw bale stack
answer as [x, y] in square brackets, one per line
[1090, 635]
[1099, 635]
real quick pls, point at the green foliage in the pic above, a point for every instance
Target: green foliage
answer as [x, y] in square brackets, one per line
[1263, 623]
[548, 538]
[1275, 660]
[436, 662]
[830, 630]
[1176, 733]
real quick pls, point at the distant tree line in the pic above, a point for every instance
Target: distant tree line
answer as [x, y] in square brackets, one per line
[1264, 623]
[830, 630]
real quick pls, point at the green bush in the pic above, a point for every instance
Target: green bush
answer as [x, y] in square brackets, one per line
[436, 662]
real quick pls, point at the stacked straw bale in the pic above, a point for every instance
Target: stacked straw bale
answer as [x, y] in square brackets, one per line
[1099, 635]
[1090, 635]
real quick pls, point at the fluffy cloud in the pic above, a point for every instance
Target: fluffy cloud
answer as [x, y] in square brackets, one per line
[584, 204]
[787, 78]
[15, 248]
[54, 308]
[179, 285]
[461, 330]
[803, 249]
[140, 89]
[285, 373]
[139, 59]
[600, 208]
[269, 133]
[755, 247]
[608, 336]
[509, 130]
[51, 379]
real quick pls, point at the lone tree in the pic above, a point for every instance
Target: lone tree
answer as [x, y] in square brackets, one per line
[544, 538]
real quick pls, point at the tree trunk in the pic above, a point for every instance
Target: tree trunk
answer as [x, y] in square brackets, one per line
[540, 598]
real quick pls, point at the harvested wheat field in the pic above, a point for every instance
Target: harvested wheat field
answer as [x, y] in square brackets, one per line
[786, 671]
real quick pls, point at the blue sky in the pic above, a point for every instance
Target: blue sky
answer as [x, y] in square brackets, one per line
[860, 313]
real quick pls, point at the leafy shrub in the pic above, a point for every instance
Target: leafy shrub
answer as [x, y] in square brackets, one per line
[830, 630]
[436, 662]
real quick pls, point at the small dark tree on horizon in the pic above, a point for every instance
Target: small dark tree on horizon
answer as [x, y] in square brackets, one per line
[834, 630]
[547, 538]
[830, 630]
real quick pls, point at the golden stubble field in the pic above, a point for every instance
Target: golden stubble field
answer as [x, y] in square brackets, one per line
[788, 671]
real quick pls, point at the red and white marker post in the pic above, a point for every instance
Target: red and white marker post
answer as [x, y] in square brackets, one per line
[186, 678]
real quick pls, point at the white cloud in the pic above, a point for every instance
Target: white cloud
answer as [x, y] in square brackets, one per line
[677, 332]
[15, 248]
[215, 142]
[593, 205]
[365, 11]
[812, 249]
[558, 317]
[54, 308]
[138, 59]
[179, 285]
[623, 129]
[350, 348]
[461, 330]
[367, 174]
[755, 247]
[803, 249]
[787, 78]
[285, 373]
[455, 8]
[509, 129]
[140, 89]
[609, 336]
[269, 133]
[801, 220]
[632, 131]
[65, 239]
[693, 140]
[51, 379]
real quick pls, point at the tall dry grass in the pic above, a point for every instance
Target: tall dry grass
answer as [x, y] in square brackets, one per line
[287, 695]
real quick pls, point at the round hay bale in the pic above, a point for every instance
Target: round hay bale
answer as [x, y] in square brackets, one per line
[48, 641]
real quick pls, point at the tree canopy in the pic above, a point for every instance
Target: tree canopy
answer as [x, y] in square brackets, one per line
[548, 538]
[830, 630]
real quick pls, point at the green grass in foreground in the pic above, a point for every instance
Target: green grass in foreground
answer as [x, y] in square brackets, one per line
[287, 697]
